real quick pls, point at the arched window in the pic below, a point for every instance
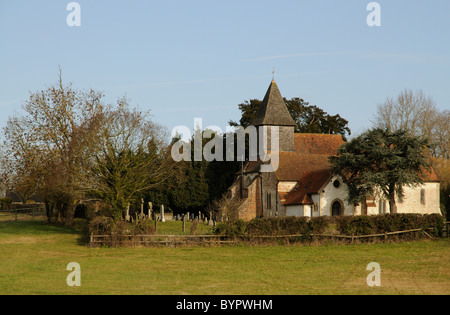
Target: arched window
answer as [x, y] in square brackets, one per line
[337, 208]
[422, 196]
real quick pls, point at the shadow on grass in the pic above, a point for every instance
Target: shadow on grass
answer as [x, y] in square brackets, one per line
[37, 228]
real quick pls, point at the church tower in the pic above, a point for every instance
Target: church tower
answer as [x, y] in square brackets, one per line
[273, 112]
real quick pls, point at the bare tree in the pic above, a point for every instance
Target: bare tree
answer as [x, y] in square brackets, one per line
[416, 113]
[441, 135]
[227, 207]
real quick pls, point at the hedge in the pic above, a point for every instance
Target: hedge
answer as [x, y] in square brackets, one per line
[346, 225]
[365, 225]
[273, 226]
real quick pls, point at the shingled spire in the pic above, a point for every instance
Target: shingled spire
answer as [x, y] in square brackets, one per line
[273, 110]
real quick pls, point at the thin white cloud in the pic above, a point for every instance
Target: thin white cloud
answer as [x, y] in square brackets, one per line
[313, 54]
[433, 59]
[182, 82]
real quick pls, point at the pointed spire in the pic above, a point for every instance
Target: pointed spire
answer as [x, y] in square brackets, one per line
[273, 110]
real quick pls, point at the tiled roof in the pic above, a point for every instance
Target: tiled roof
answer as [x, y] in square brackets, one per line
[431, 176]
[273, 110]
[317, 143]
[310, 183]
[292, 166]
[311, 154]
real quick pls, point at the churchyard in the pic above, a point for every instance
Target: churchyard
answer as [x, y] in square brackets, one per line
[34, 256]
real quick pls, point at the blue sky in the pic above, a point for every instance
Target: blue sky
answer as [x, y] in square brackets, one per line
[186, 59]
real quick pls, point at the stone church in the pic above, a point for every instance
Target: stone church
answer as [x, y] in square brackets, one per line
[303, 184]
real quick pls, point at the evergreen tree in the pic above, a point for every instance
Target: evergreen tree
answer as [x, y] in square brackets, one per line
[380, 161]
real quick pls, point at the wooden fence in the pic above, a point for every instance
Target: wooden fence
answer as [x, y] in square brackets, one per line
[120, 240]
[17, 213]
[174, 240]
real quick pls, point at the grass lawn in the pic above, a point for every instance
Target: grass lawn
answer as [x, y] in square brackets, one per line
[34, 256]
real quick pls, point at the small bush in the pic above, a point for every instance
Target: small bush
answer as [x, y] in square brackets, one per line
[319, 224]
[355, 225]
[101, 225]
[122, 228]
[5, 203]
[231, 228]
[143, 227]
[193, 230]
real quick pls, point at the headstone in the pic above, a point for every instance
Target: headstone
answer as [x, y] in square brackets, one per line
[142, 207]
[150, 208]
[127, 216]
[162, 214]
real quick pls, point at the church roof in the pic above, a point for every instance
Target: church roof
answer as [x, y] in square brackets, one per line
[311, 154]
[273, 110]
[310, 183]
[317, 143]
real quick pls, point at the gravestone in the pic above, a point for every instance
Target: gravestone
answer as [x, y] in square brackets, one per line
[150, 208]
[127, 216]
[162, 214]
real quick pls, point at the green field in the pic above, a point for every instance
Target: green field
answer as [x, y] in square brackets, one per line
[34, 256]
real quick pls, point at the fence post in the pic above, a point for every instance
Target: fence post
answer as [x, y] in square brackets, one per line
[385, 237]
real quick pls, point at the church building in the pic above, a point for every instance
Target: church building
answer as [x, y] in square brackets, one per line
[303, 184]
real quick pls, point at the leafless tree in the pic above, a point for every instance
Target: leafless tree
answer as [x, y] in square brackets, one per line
[417, 113]
[227, 207]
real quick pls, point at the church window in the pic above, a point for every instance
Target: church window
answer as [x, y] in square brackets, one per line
[422, 196]
[382, 207]
[269, 201]
[336, 183]
[315, 207]
[336, 209]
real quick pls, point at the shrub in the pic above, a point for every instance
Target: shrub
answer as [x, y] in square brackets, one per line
[5, 203]
[319, 224]
[143, 227]
[365, 225]
[101, 225]
[346, 225]
[122, 228]
[231, 228]
[194, 226]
